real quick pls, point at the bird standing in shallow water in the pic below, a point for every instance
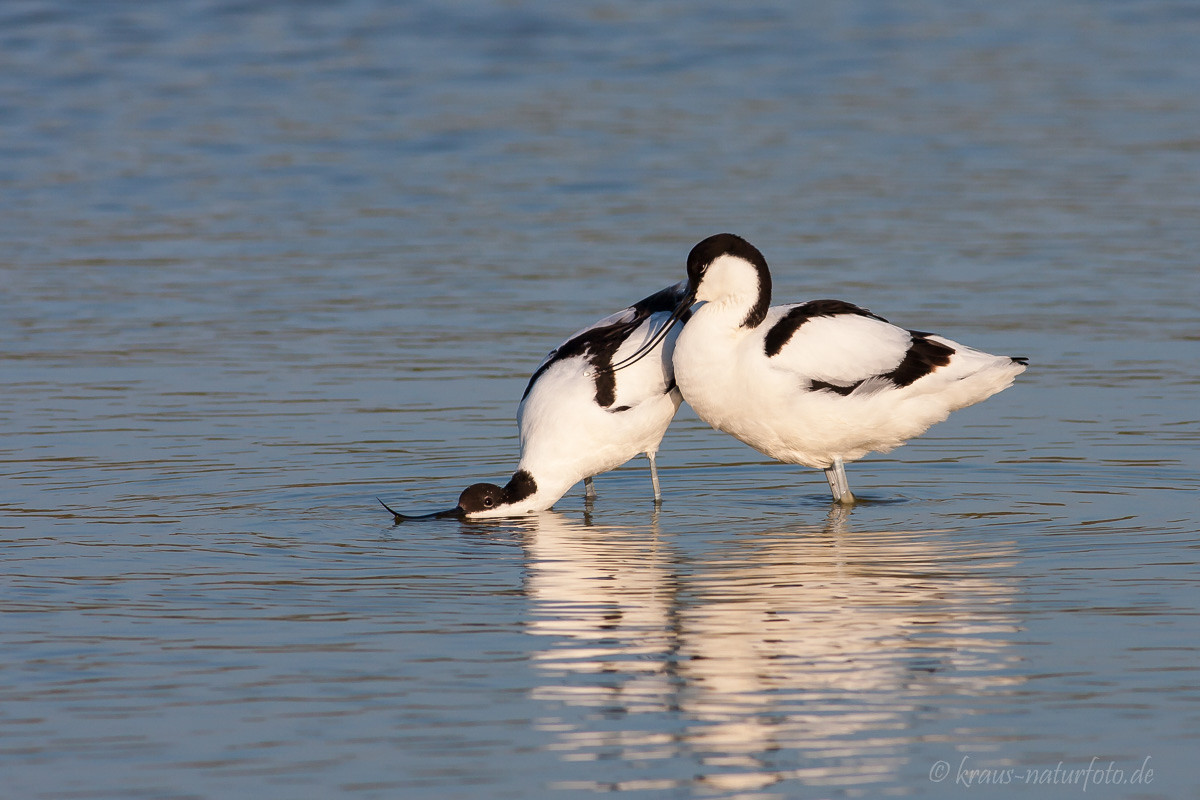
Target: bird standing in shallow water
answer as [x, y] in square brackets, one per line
[818, 383]
[578, 418]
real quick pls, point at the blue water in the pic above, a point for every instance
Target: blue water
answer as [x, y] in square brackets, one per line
[261, 263]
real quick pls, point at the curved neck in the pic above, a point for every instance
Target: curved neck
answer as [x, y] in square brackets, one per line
[758, 312]
[731, 282]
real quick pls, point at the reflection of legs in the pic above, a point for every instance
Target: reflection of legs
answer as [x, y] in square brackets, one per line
[654, 477]
[836, 475]
[836, 520]
[589, 489]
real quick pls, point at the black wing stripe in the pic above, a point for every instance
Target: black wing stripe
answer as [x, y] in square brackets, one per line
[782, 331]
[599, 345]
[822, 386]
[923, 357]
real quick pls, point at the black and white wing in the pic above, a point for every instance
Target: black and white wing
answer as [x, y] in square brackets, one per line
[600, 341]
[835, 346]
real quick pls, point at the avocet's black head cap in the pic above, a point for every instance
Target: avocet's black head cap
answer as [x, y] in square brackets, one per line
[480, 497]
[730, 244]
[712, 248]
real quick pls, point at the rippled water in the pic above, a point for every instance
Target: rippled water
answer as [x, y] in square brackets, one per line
[263, 262]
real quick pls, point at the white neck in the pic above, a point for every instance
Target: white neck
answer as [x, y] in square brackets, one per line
[731, 286]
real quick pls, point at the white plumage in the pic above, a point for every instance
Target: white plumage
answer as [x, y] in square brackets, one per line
[818, 383]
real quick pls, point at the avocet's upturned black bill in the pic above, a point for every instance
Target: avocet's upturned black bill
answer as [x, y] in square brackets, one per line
[450, 513]
[820, 383]
[579, 418]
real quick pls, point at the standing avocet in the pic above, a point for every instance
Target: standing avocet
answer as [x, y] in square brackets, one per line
[579, 418]
[818, 383]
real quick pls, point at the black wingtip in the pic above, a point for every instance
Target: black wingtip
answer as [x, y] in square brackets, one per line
[1022, 360]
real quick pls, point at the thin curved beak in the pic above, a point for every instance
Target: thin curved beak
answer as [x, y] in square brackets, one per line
[449, 513]
[680, 310]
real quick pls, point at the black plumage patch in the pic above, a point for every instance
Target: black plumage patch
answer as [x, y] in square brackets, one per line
[783, 330]
[599, 345]
[822, 386]
[520, 486]
[662, 300]
[923, 357]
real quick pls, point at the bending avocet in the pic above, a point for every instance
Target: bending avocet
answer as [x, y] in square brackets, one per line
[578, 418]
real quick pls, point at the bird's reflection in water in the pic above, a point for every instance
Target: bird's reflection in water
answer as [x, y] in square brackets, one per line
[792, 654]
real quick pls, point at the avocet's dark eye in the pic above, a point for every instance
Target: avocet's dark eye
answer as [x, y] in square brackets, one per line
[488, 502]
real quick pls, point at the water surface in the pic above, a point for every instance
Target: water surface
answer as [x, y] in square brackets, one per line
[262, 263]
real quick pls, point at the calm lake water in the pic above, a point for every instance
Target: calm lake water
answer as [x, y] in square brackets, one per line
[261, 263]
